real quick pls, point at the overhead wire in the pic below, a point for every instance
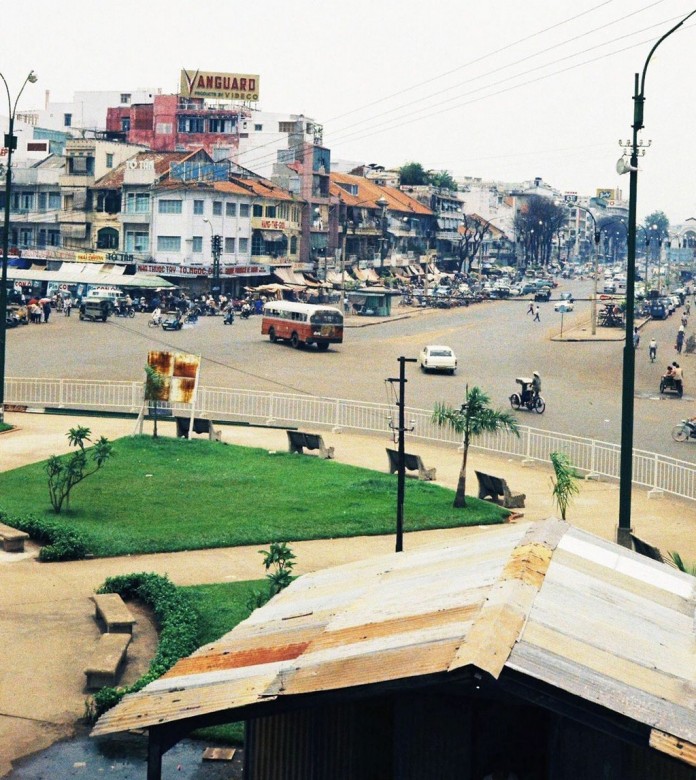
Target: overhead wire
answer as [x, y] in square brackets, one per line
[459, 67]
[340, 134]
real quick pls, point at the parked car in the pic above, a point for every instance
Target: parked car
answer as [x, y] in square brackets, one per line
[567, 296]
[542, 294]
[437, 357]
[528, 287]
[564, 306]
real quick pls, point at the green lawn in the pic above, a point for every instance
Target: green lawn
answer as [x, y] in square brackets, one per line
[5, 427]
[168, 494]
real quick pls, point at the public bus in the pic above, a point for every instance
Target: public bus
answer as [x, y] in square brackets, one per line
[302, 323]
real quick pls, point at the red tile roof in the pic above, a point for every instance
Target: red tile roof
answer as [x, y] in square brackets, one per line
[369, 193]
[113, 180]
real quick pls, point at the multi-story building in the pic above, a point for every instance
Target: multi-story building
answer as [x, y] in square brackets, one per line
[447, 207]
[89, 217]
[35, 206]
[226, 130]
[378, 223]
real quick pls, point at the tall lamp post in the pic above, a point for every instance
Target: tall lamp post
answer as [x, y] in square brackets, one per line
[10, 145]
[623, 534]
[595, 250]
[216, 249]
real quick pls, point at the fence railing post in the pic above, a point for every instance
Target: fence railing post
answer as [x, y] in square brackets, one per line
[528, 449]
[592, 473]
[270, 419]
[655, 491]
[337, 417]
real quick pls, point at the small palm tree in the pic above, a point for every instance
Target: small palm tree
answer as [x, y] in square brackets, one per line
[682, 565]
[565, 482]
[474, 417]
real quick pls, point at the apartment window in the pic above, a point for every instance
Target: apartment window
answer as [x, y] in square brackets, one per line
[81, 165]
[109, 160]
[198, 207]
[137, 203]
[220, 125]
[258, 245]
[125, 124]
[243, 209]
[197, 244]
[169, 243]
[67, 120]
[217, 208]
[229, 246]
[293, 245]
[258, 128]
[27, 201]
[53, 201]
[169, 206]
[126, 98]
[54, 237]
[258, 210]
[164, 128]
[243, 245]
[42, 201]
[25, 237]
[41, 242]
[230, 209]
[271, 211]
[191, 124]
[137, 241]
[286, 127]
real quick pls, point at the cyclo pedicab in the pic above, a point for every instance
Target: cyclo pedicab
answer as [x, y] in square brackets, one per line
[526, 398]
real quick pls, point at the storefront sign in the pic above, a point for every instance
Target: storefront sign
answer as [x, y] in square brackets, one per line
[263, 223]
[172, 269]
[245, 270]
[89, 257]
[119, 257]
[219, 86]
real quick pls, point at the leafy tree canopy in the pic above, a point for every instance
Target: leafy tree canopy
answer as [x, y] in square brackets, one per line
[657, 223]
[414, 174]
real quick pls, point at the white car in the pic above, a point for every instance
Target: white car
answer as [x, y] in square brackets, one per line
[437, 357]
[564, 306]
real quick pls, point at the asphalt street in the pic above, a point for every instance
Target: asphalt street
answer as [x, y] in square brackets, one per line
[494, 341]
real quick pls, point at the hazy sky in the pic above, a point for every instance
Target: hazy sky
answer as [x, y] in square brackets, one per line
[496, 89]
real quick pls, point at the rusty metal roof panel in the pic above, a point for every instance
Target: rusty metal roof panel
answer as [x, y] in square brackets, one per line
[544, 599]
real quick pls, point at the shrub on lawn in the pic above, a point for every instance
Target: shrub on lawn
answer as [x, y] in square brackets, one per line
[61, 543]
[177, 623]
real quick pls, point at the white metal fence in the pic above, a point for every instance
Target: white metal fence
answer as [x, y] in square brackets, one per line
[602, 459]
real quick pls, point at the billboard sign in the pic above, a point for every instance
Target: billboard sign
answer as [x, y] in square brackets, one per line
[219, 86]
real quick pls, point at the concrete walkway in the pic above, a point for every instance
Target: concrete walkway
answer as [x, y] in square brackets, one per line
[46, 625]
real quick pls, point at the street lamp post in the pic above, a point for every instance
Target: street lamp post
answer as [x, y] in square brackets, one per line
[623, 535]
[596, 235]
[215, 248]
[10, 145]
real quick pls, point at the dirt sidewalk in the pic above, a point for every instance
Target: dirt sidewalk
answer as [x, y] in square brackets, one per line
[47, 627]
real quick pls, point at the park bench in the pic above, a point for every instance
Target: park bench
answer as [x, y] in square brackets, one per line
[299, 441]
[199, 426]
[494, 487]
[111, 610]
[412, 463]
[12, 539]
[105, 663]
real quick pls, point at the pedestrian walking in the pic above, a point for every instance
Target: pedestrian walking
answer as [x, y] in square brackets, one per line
[680, 341]
[636, 338]
[67, 305]
[530, 310]
[536, 314]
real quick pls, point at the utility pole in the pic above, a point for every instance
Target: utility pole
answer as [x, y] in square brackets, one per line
[216, 241]
[401, 430]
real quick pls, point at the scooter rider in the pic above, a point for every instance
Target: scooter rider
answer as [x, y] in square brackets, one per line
[652, 349]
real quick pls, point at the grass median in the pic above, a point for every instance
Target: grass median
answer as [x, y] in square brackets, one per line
[166, 495]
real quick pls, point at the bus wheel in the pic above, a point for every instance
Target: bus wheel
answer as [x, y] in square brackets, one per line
[272, 335]
[322, 346]
[295, 341]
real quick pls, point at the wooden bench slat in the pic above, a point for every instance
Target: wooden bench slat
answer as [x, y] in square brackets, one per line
[412, 463]
[298, 441]
[495, 487]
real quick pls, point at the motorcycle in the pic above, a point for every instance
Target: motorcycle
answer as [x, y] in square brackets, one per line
[155, 321]
[685, 430]
[245, 311]
[229, 318]
[125, 311]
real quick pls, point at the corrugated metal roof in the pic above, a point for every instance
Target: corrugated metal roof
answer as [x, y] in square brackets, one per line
[546, 600]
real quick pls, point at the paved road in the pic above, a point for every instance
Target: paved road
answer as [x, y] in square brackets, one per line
[495, 342]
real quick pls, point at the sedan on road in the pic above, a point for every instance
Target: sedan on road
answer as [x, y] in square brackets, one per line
[437, 357]
[564, 306]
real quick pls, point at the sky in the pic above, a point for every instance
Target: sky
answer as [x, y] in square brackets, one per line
[500, 89]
